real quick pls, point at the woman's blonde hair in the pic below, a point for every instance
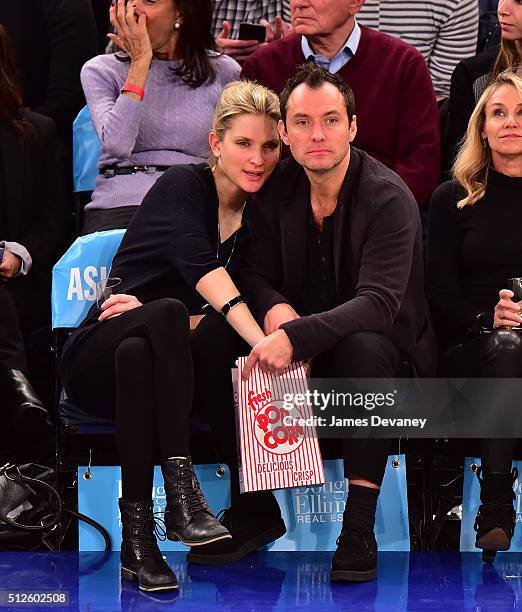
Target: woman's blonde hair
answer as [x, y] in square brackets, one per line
[243, 98]
[507, 58]
[473, 161]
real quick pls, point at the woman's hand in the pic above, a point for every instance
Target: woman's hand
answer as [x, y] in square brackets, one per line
[507, 311]
[131, 32]
[118, 304]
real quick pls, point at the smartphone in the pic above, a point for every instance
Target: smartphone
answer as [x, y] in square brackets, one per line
[1, 254]
[252, 31]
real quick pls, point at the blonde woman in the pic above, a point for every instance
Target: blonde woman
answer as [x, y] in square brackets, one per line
[472, 75]
[474, 247]
[179, 255]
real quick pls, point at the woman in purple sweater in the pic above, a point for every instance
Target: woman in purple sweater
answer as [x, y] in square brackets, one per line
[151, 105]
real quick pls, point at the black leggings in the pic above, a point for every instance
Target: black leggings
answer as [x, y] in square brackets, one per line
[137, 368]
[495, 355]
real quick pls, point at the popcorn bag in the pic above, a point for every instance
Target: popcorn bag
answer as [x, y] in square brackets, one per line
[277, 447]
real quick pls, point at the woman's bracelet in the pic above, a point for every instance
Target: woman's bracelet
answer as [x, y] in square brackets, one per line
[229, 305]
[136, 89]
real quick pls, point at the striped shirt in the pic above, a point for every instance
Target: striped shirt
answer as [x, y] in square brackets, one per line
[251, 11]
[444, 31]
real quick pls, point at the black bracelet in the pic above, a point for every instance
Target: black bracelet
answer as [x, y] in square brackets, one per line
[233, 302]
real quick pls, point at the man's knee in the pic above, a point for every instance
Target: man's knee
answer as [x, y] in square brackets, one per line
[366, 355]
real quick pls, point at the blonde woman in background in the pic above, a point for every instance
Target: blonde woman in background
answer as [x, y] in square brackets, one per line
[474, 247]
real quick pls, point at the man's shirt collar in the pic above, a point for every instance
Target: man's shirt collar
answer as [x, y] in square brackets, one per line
[348, 50]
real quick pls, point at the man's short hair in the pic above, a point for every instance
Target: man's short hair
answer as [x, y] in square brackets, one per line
[313, 76]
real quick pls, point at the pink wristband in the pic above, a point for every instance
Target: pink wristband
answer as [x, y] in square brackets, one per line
[139, 91]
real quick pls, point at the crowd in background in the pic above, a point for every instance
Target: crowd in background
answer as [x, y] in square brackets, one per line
[434, 83]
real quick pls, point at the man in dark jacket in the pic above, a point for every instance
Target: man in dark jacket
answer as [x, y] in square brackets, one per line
[334, 272]
[51, 39]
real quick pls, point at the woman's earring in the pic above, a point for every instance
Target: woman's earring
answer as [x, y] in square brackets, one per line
[177, 25]
[485, 143]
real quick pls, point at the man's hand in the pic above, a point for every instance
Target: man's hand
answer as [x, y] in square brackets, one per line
[240, 50]
[280, 29]
[276, 316]
[10, 266]
[506, 311]
[117, 304]
[273, 354]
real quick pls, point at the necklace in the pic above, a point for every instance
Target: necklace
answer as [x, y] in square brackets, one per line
[206, 307]
[235, 237]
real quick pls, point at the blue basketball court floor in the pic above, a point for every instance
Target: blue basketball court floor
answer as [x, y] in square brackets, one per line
[277, 581]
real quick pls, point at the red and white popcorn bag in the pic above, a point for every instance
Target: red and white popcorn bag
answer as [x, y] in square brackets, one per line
[277, 447]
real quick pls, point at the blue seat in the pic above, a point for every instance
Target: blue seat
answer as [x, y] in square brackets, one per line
[86, 262]
[86, 152]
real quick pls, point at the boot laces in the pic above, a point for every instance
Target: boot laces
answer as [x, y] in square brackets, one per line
[224, 516]
[191, 494]
[150, 529]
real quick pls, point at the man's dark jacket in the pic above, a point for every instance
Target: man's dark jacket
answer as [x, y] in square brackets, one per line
[385, 254]
[51, 40]
[33, 210]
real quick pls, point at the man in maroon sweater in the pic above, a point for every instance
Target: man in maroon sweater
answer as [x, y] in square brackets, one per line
[397, 116]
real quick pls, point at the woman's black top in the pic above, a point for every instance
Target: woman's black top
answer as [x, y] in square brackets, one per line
[472, 252]
[170, 244]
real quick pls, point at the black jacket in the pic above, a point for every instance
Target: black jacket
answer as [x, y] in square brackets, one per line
[34, 204]
[385, 255]
[51, 41]
[467, 84]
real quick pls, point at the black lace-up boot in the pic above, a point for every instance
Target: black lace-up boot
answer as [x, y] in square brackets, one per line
[495, 521]
[187, 516]
[141, 559]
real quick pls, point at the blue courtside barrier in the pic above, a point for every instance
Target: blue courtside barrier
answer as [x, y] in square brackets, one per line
[313, 515]
[86, 262]
[98, 498]
[471, 503]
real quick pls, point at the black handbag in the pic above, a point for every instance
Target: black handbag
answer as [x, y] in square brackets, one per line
[29, 482]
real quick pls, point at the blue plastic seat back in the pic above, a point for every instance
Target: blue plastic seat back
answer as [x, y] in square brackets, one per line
[86, 152]
[86, 262]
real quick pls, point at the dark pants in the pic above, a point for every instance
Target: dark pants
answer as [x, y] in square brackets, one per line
[102, 219]
[495, 355]
[362, 355]
[24, 308]
[12, 350]
[215, 348]
[137, 368]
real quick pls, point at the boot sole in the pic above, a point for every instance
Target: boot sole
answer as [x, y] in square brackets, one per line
[352, 576]
[494, 540]
[128, 574]
[248, 547]
[174, 537]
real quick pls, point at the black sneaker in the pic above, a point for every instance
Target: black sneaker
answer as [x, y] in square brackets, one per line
[355, 559]
[250, 532]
